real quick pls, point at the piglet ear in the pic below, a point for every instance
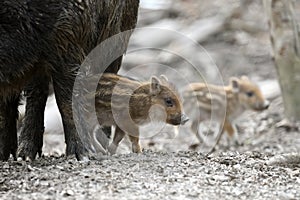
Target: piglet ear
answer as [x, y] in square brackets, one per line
[155, 85]
[235, 84]
[245, 78]
[163, 79]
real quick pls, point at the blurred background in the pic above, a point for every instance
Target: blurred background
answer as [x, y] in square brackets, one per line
[234, 33]
[218, 38]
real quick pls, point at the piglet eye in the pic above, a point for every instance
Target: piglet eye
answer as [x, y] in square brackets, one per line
[169, 102]
[250, 94]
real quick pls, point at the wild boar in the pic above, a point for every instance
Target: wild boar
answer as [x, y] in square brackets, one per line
[127, 104]
[48, 40]
[203, 99]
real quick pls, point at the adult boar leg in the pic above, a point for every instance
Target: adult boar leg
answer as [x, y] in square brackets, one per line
[31, 137]
[63, 87]
[8, 126]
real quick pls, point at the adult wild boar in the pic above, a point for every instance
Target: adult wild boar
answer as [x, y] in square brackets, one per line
[48, 40]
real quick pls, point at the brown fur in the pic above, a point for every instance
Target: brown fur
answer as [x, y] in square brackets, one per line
[127, 104]
[226, 103]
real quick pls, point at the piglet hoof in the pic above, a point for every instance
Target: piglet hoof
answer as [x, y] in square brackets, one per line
[112, 149]
[238, 143]
[194, 147]
[212, 150]
[136, 149]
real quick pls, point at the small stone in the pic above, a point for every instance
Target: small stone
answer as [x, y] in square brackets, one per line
[285, 195]
[68, 193]
[6, 166]
[221, 178]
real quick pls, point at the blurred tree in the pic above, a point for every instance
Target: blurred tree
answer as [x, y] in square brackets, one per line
[284, 34]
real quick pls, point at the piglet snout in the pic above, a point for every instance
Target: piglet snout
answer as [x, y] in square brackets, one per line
[266, 104]
[184, 119]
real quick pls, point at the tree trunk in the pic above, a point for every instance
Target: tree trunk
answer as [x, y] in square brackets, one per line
[284, 35]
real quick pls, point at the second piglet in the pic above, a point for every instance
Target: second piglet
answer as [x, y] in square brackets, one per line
[127, 104]
[227, 103]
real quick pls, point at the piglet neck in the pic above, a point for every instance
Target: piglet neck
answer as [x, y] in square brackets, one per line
[140, 104]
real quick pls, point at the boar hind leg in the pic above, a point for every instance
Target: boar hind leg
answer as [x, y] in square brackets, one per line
[119, 135]
[63, 87]
[31, 137]
[8, 129]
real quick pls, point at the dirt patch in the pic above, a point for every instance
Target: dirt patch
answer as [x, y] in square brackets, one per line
[152, 175]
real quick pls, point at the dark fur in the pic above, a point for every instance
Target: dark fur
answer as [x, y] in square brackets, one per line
[44, 40]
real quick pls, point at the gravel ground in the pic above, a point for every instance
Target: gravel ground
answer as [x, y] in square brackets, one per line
[263, 168]
[152, 175]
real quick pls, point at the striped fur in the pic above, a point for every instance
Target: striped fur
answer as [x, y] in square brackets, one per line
[127, 104]
[224, 103]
